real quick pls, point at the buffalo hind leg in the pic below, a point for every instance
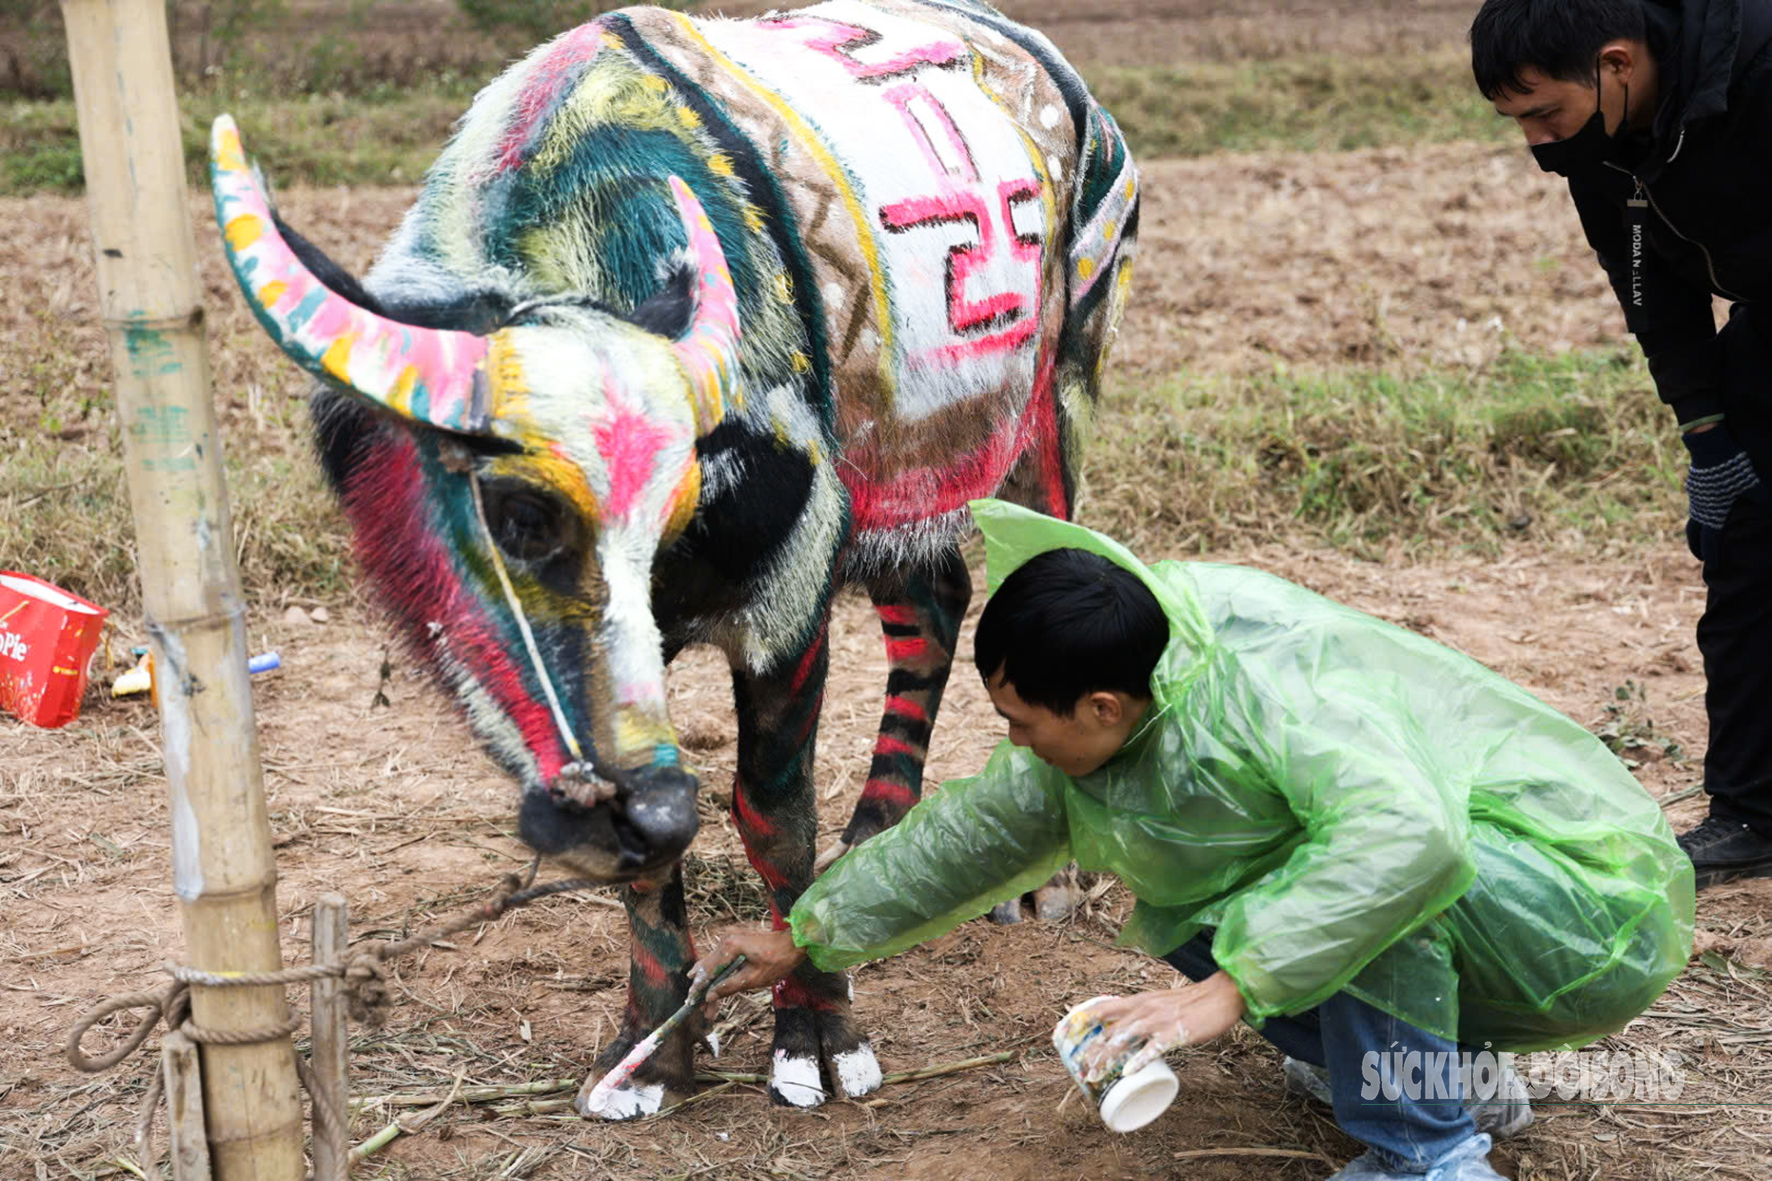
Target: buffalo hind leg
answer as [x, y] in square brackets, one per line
[920, 617]
[773, 806]
[661, 954]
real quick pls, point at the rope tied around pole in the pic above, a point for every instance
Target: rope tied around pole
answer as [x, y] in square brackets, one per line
[364, 974]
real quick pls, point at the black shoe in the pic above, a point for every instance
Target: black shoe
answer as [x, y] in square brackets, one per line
[1723, 849]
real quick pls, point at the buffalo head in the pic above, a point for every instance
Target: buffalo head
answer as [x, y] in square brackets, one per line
[509, 497]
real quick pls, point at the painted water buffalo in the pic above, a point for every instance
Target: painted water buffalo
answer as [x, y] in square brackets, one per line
[693, 323]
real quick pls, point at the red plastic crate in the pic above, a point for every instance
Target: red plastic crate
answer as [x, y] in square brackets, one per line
[47, 637]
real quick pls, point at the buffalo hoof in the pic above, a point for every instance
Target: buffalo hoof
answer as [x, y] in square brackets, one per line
[828, 858]
[816, 1045]
[1053, 902]
[631, 1100]
[664, 1079]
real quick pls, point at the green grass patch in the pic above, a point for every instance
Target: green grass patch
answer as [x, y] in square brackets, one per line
[390, 133]
[1315, 102]
[326, 139]
[1574, 451]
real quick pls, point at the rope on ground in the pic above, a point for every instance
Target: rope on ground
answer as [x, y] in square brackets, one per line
[364, 973]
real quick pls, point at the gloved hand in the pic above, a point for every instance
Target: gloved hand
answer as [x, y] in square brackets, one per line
[1721, 473]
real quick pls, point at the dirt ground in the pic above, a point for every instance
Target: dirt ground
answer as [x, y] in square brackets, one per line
[395, 807]
[1432, 255]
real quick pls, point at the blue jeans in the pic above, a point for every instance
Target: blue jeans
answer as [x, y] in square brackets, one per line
[1408, 1134]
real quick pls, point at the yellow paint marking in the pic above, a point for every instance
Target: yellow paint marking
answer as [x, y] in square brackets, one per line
[401, 398]
[552, 467]
[636, 732]
[271, 292]
[504, 369]
[337, 358]
[230, 155]
[244, 230]
[685, 498]
[1086, 267]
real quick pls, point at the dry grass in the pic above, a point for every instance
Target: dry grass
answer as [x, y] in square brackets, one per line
[1366, 389]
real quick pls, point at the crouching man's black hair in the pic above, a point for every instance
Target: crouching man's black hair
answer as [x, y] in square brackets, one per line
[1560, 38]
[1068, 623]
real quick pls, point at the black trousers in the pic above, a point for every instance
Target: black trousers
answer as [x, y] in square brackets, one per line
[1735, 631]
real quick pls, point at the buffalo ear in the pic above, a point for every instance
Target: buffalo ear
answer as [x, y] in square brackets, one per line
[338, 280]
[668, 311]
[479, 312]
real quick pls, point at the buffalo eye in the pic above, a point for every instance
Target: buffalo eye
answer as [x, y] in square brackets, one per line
[527, 525]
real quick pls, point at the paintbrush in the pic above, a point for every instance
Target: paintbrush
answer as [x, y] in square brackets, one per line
[624, 1070]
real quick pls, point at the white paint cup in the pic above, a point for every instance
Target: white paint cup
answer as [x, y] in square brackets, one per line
[1125, 1102]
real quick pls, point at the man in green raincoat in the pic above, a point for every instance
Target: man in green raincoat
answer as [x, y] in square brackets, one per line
[1355, 839]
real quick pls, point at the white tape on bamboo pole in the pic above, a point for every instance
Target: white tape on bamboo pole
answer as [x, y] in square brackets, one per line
[222, 868]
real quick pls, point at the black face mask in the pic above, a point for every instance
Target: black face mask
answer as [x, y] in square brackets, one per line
[1586, 149]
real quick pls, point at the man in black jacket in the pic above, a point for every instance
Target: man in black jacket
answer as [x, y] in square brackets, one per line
[1659, 113]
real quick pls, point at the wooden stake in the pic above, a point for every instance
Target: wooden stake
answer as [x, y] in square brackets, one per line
[184, 1108]
[329, 1061]
[222, 868]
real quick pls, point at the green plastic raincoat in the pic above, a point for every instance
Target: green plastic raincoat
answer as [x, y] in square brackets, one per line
[1351, 806]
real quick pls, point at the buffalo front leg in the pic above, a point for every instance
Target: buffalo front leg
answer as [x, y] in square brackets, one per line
[773, 806]
[658, 982]
[920, 615]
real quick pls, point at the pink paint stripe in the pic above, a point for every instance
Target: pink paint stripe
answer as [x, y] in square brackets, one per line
[922, 493]
[896, 614]
[806, 661]
[750, 821]
[546, 80]
[888, 791]
[887, 744]
[904, 707]
[906, 649]
[951, 354]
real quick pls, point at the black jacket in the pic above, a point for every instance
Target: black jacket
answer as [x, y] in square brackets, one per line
[1706, 171]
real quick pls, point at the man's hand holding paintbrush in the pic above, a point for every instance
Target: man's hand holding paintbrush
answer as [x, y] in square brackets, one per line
[769, 957]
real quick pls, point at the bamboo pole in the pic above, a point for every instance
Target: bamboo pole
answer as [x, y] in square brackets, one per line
[329, 1060]
[184, 1109]
[222, 868]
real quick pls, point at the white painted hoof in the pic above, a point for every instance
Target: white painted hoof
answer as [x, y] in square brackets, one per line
[1005, 913]
[857, 1071]
[795, 1081]
[830, 855]
[627, 1101]
[1054, 904]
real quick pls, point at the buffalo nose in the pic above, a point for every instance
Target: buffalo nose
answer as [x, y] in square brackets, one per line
[660, 807]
